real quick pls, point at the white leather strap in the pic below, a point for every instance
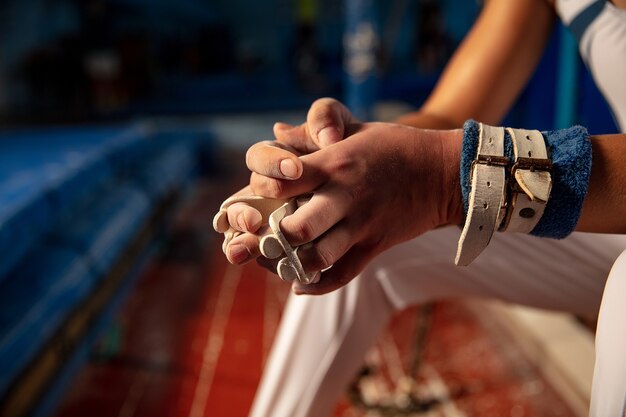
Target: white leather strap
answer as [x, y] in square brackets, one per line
[273, 243]
[265, 206]
[289, 267]
[533, 181]
[487, 194]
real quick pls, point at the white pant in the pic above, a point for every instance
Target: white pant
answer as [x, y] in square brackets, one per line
[322, 340]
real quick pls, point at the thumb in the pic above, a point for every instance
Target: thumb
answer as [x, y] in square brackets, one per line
[327, 120]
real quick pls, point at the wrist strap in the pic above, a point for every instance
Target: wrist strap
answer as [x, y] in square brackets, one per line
[532, 181]
[512, 201]
[487, 195]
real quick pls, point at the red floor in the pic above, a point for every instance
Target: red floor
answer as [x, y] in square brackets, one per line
[192, 337]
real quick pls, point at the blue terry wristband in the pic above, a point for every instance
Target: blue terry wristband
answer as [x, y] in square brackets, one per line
[571, 168]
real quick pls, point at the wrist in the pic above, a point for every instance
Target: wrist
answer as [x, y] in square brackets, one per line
[523, 181]
[452, 143]
[438, 157]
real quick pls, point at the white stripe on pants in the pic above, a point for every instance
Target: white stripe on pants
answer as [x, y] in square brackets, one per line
[322, 340]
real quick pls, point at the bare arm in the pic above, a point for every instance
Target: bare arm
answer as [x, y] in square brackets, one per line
[490, 68]
[604, 209]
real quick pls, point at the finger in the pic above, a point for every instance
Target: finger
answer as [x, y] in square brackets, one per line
[296, 138]
[220, 222]
[326, 121]
[326, 208]
[328, 249]
[270, 264]
[229, 235]
[341, 273]
[312, 177]
[244, 218]
[272, 160]
[242, 248]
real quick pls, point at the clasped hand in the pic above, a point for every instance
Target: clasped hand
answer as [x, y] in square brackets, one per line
[374, 185]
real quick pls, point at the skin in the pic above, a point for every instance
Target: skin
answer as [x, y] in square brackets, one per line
[619, 3]
[360, 205]
[368, 176]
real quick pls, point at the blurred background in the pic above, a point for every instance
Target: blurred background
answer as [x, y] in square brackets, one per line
[122, 127]
[70, 61]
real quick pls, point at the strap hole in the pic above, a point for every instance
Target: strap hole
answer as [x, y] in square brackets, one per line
[527, 213]
[528, 137]
[486, 206]
[480, 228]
[530, 154]
[490, 140]
[488, 183]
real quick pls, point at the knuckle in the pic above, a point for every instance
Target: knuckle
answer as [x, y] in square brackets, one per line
[322, 115]
[304, 232]
[324, 118]
[351, 171]
[253, 151]
[264, 158]
[322, 258]
[325, 102]
[267, 187]
[275, 188]
[322, 102]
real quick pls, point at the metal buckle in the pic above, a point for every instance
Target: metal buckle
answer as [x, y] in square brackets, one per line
[532, 164]
[502, 161]
[489, 160]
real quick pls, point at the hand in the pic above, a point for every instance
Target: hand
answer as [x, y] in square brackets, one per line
[328, 121]
[384, 185]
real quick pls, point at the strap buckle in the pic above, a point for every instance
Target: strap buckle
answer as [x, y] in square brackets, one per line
[489, 160]
[532, 164]
[502, 161]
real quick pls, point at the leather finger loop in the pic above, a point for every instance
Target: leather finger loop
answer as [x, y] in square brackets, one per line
[289, 267]
[273, 245]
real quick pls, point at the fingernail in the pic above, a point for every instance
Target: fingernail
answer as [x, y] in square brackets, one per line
[328, 136]
[238, 253]
[241, 222]
[255, 220]
[288, 168]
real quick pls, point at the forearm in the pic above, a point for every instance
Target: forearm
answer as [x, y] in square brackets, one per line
[604, 208]
[425, 120]
[490, 67]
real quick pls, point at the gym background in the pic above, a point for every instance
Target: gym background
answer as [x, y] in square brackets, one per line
[123, 125]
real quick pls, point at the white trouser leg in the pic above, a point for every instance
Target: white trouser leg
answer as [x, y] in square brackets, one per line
[320, 344]
[608, 392]
[322, 340]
